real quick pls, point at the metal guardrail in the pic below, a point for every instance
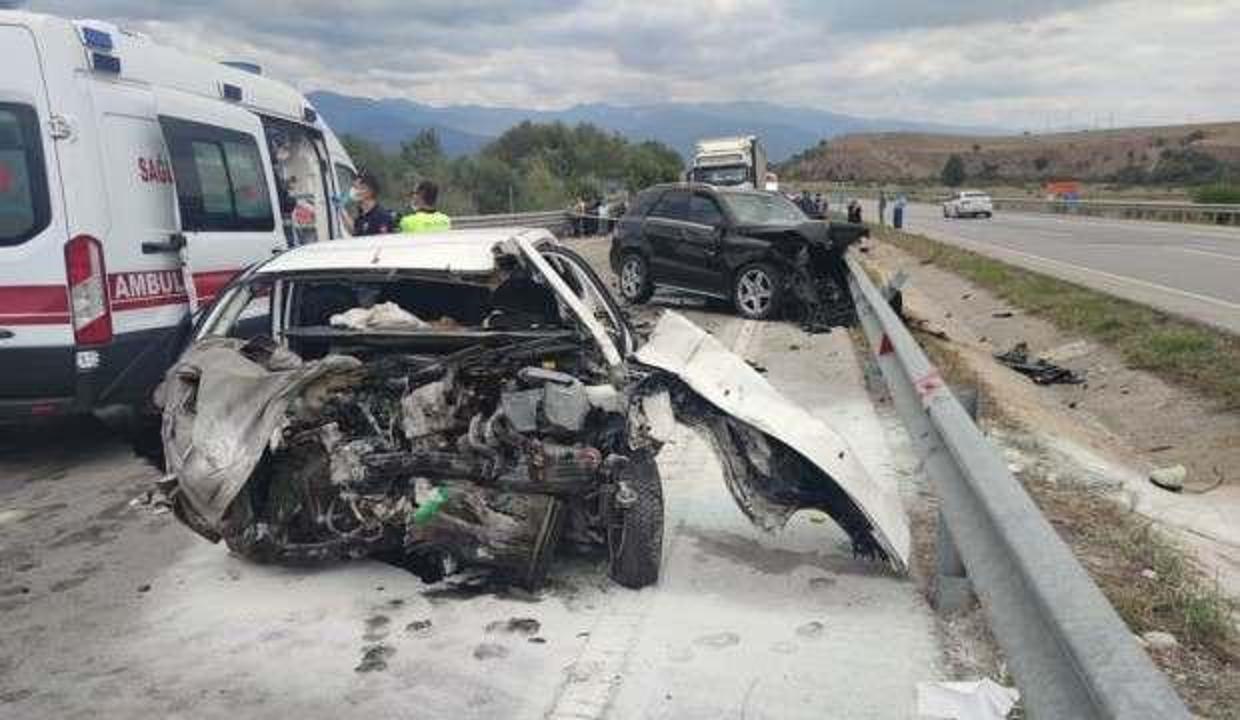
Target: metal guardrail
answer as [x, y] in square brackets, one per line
[1071, 654]
[551, 220]
[1132, 210]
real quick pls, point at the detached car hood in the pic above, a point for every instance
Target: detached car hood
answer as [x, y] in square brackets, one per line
[777, 457]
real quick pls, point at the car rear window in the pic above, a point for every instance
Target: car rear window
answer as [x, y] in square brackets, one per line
[24, 206]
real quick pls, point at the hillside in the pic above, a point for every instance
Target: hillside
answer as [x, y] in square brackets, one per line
[463, 129]
[1175, 153]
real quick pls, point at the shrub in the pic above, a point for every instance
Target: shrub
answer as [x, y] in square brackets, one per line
[1218, 194]
[953, 174]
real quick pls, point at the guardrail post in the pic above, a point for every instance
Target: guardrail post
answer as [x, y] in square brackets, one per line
[952, 591]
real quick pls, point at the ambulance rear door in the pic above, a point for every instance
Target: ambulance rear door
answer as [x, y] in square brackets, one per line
[225, 189]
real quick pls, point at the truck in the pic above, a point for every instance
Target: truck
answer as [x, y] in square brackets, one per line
[730, 161]
[135, 182]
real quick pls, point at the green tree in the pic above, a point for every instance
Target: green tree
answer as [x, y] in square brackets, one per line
[953, 174]
[423, 154]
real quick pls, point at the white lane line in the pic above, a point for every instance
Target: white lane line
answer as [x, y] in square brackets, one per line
[1211, 253]
[1122, 279]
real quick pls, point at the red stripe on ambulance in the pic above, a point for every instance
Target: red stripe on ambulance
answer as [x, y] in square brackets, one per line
[34, 305]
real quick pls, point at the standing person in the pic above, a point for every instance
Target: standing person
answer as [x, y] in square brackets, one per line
[372, 218]
[604, 217]
[579, 217]
[820, 208]
[854, 211]
[897, 218]
[425, 218]
[882, 207]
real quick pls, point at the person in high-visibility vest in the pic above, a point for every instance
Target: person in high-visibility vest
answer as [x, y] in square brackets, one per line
[425, 218]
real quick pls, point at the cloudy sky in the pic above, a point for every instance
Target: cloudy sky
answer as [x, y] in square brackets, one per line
[1022, 64]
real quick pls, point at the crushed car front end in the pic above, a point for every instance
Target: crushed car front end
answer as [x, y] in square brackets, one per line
[472, 403]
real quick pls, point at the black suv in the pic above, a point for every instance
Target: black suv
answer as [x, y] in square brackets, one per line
[755, 249]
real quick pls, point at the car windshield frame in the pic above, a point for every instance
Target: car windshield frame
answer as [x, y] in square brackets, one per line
[754, 208]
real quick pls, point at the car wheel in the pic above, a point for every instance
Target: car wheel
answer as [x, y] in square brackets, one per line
[757, 291]
[635, 285]
[635, 525]
[987, 215]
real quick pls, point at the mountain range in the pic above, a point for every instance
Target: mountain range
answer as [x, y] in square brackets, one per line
[463, 129]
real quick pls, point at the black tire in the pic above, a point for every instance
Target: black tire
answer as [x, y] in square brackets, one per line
[747, 286]
[637, 288]
[635, 532]
[987, 215]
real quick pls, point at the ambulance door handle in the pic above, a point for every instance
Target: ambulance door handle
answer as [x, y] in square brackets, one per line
[5, 334]
[176, 241]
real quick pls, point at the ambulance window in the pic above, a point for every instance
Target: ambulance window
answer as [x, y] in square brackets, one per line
[344, 178]
[213, 183]
[221, 186]
[24, 207]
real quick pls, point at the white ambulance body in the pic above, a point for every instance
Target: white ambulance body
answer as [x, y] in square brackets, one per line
[135, 182]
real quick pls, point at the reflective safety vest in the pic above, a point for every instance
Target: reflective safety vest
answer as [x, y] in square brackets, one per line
[425, 221]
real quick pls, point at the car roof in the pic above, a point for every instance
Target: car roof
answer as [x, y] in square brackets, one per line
[456, 251]
[707, 187]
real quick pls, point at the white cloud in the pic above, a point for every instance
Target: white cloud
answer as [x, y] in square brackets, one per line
[1013, 63]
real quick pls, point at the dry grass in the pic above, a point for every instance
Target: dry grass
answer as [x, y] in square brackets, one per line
[1179, 351]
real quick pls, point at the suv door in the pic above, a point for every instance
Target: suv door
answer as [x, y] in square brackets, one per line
[663, 229]
[701, 238]
[225, 191]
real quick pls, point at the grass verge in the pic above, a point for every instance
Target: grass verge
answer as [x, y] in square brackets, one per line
[1179, 351]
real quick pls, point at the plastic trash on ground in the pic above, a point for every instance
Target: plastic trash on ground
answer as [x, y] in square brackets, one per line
[971, 700]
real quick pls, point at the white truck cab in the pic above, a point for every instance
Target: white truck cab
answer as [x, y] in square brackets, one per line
[135, 182]
[730, 162]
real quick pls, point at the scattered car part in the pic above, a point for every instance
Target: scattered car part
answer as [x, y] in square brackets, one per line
[1041, 370]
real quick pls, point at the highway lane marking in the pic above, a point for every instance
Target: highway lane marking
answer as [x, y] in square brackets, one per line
[1123, 279]
[1225, 256]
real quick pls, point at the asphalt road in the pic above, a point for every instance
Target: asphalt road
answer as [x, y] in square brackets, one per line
[110, 610]
[1187, 270]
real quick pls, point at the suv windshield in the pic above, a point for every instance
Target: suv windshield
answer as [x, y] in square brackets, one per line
[723, 175]
[24, 207]
[762, 209]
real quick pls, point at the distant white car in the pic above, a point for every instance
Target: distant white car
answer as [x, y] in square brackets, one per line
[968, 203]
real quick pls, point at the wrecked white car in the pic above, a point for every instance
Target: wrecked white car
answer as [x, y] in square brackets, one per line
[473, 399]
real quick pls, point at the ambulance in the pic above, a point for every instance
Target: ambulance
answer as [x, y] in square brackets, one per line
[135, 182]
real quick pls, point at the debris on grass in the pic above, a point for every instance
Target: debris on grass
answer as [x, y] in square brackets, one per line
[1040, 370]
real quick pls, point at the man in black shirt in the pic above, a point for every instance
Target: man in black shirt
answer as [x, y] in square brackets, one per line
[372, 218]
